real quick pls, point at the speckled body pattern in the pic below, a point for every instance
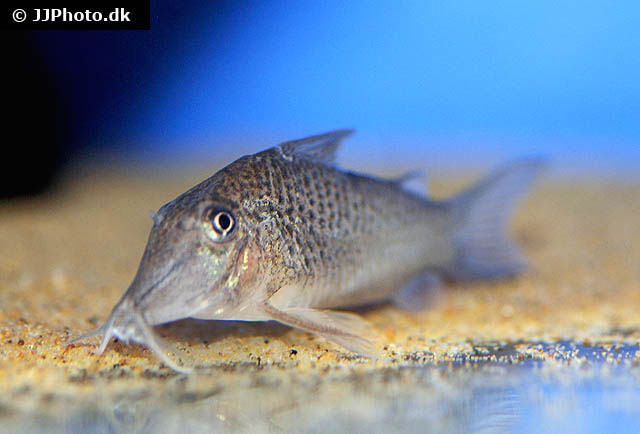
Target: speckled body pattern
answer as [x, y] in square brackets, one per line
[340, 238]
[302, 235]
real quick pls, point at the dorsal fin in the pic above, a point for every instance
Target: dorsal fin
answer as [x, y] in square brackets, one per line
[413, 181]
[321, 148]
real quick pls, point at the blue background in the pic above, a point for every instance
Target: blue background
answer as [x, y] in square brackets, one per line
[433, 84]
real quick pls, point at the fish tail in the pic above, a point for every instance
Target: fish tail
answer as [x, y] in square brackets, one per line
[482, 248]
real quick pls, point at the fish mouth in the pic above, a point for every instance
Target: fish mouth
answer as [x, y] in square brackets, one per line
[128, 325]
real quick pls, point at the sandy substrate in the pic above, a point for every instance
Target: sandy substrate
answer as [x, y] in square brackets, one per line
[66, 258]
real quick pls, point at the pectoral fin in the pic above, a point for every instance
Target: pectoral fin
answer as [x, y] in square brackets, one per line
[346, 329]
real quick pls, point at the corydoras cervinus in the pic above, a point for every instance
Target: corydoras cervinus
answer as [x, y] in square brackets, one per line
[285, 235]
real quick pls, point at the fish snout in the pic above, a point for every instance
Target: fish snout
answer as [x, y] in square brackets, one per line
[123, 324]
[128, 324]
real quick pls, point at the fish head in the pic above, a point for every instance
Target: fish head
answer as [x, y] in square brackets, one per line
[199, 254]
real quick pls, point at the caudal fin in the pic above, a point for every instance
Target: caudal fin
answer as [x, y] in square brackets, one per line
[481, 214]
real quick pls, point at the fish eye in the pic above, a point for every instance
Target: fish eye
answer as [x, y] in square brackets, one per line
[221, 220]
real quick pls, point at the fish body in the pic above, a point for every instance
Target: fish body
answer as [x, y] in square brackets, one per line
[286, 235]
